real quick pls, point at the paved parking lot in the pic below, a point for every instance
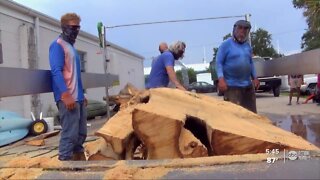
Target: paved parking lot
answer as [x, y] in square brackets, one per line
[301, 119]
[268, 104]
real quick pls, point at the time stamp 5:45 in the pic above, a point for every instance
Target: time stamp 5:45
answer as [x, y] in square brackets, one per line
[274, 155]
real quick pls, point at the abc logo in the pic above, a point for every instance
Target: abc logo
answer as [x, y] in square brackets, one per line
[292, 155]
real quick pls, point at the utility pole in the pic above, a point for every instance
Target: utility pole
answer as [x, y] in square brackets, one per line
[278, 46]
[103, 47]
[247, 18]
[204, 55]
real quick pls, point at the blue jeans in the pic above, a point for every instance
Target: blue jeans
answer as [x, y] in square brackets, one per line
[74, 130]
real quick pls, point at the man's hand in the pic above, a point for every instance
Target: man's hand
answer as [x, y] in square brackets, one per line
[222, 85]
[85, 101]
[256, 83]
[173, 78]
[179, 86]
[68, 101]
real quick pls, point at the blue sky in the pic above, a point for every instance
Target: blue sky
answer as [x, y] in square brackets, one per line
[278, 17]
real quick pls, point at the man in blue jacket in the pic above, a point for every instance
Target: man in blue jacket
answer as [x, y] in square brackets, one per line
[68, 90]
[235, 69]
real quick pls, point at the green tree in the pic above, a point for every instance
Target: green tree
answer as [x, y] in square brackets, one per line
[261, 44]
[215, 50]
[191, 74]
[146, 77]
[311, 38]
[179, 76]
[227, 36]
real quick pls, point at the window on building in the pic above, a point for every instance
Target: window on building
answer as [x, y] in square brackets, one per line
[82, 56]
[1, 56]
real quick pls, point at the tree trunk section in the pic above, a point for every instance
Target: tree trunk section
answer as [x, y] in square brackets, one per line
[190, 146]
[231, 129]
[118, 130]
[159, 134]
[100, 150]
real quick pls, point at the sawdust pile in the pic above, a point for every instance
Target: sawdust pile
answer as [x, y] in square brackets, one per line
[156, 170]
[37, 162]
[127, 172]
[20, 173]
[23, 167]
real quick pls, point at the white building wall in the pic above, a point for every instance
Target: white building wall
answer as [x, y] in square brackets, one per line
[14, 37]
[129, 69]
[14, 41]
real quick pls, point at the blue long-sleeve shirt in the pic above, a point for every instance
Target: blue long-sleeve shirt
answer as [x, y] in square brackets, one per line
[65, 70]
[234, 63]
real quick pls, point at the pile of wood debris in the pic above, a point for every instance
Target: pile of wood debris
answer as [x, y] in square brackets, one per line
[165, 123]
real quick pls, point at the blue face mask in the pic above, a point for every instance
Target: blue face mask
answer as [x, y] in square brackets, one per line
[70, 33]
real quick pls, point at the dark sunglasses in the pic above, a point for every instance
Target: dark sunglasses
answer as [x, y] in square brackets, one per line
[243, 27]
[74, 27]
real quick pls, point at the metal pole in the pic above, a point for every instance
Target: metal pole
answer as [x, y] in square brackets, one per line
[105, 71]
[105, 66]
[247, 17]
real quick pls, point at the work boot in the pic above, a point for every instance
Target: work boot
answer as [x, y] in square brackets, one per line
[62, 158]
[79, 156]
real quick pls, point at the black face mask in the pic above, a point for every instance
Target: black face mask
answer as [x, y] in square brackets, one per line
[70, 33]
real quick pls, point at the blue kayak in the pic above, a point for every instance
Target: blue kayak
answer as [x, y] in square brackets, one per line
[13, 127]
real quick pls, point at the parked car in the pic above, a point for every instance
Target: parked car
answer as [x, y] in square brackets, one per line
[94, 108]
[309, 85]
[202, 87]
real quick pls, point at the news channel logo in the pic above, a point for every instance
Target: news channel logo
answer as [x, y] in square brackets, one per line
[300, 155]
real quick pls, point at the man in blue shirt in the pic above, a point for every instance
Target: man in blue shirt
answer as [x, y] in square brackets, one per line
[163, 47]
[162, 70]
[68, 90]
[235, 69]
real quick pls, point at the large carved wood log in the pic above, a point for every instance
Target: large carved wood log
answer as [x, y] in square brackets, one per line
[118, 130]
[159, 133]
[230, 128]
[166, 138]
[190, 146]
[100, 150]
[129, 89]
[128, 96]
